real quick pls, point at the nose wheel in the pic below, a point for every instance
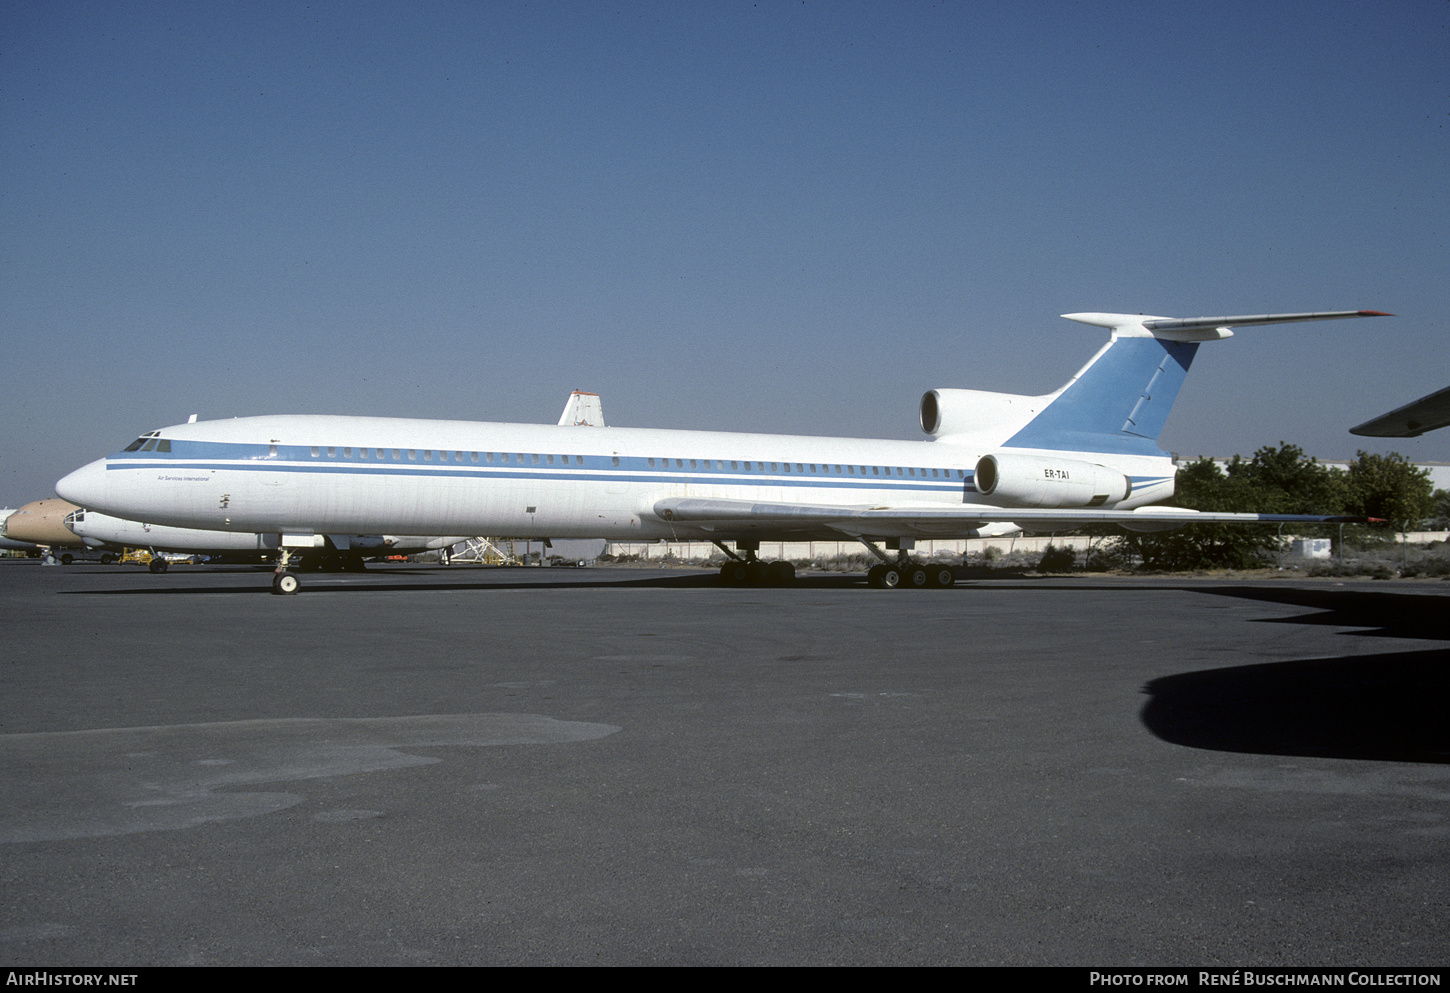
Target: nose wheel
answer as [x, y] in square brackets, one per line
[285, 583]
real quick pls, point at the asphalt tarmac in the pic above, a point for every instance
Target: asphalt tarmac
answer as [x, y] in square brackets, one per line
[420, 765]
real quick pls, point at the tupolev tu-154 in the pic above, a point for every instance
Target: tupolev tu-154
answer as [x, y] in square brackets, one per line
[994, 463]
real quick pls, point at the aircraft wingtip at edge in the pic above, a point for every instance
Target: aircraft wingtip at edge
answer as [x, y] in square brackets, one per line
[1374, 313]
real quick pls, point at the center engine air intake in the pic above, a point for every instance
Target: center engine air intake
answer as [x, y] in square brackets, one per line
[1040, 481]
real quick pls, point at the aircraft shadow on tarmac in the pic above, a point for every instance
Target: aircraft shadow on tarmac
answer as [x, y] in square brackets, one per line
[403, 581]
[1381, 707]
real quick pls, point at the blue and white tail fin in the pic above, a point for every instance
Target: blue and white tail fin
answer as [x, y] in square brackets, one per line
[1119, 402]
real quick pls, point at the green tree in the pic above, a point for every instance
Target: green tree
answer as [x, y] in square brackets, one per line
[1389, 487]
[1284, 481]
[1440, 514]
[1278, 480]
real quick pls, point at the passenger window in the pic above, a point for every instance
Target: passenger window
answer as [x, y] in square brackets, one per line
[473, 456]
[534, 459]
[347, 452]
[271, 451]
[316, 451]
[679, 463]
[850, 468]
[519, 457]
[616, 460]
[412, 455]
[692, 464]
[578, 460]
[651, 463]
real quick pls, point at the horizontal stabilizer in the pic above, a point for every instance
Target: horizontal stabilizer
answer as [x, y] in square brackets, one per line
[1205, 328]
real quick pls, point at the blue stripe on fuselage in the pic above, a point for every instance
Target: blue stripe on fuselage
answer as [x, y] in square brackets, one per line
[195, 455]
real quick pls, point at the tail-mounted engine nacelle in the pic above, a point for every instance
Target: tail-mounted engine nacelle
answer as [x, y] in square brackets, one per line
[949, 412]
[1040, 481]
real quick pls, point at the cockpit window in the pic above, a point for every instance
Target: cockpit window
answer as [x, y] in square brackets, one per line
[148, 436]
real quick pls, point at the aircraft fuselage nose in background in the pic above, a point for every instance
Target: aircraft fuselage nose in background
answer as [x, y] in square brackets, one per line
[42, 522]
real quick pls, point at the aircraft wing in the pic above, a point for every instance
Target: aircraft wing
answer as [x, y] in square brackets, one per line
[961, 520]
[1411, 420]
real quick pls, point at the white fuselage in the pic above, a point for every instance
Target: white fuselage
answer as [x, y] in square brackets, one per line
[353, 475]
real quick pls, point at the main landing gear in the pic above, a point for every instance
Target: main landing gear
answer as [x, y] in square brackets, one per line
[750, 571]
[913, 575]
[905, 571]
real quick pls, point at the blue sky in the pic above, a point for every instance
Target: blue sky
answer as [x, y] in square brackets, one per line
[791, 217]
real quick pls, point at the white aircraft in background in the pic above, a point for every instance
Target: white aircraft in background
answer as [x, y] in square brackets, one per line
[582, 410]
[1429, 413]
[60, 524]
[996, 462]
[11, 544]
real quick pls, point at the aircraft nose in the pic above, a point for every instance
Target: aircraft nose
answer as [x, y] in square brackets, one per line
[86, 486]
[42, 522]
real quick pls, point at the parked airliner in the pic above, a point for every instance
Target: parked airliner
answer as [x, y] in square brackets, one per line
[1086, 453]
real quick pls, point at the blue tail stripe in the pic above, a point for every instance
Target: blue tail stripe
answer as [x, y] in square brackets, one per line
[1119, 404]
